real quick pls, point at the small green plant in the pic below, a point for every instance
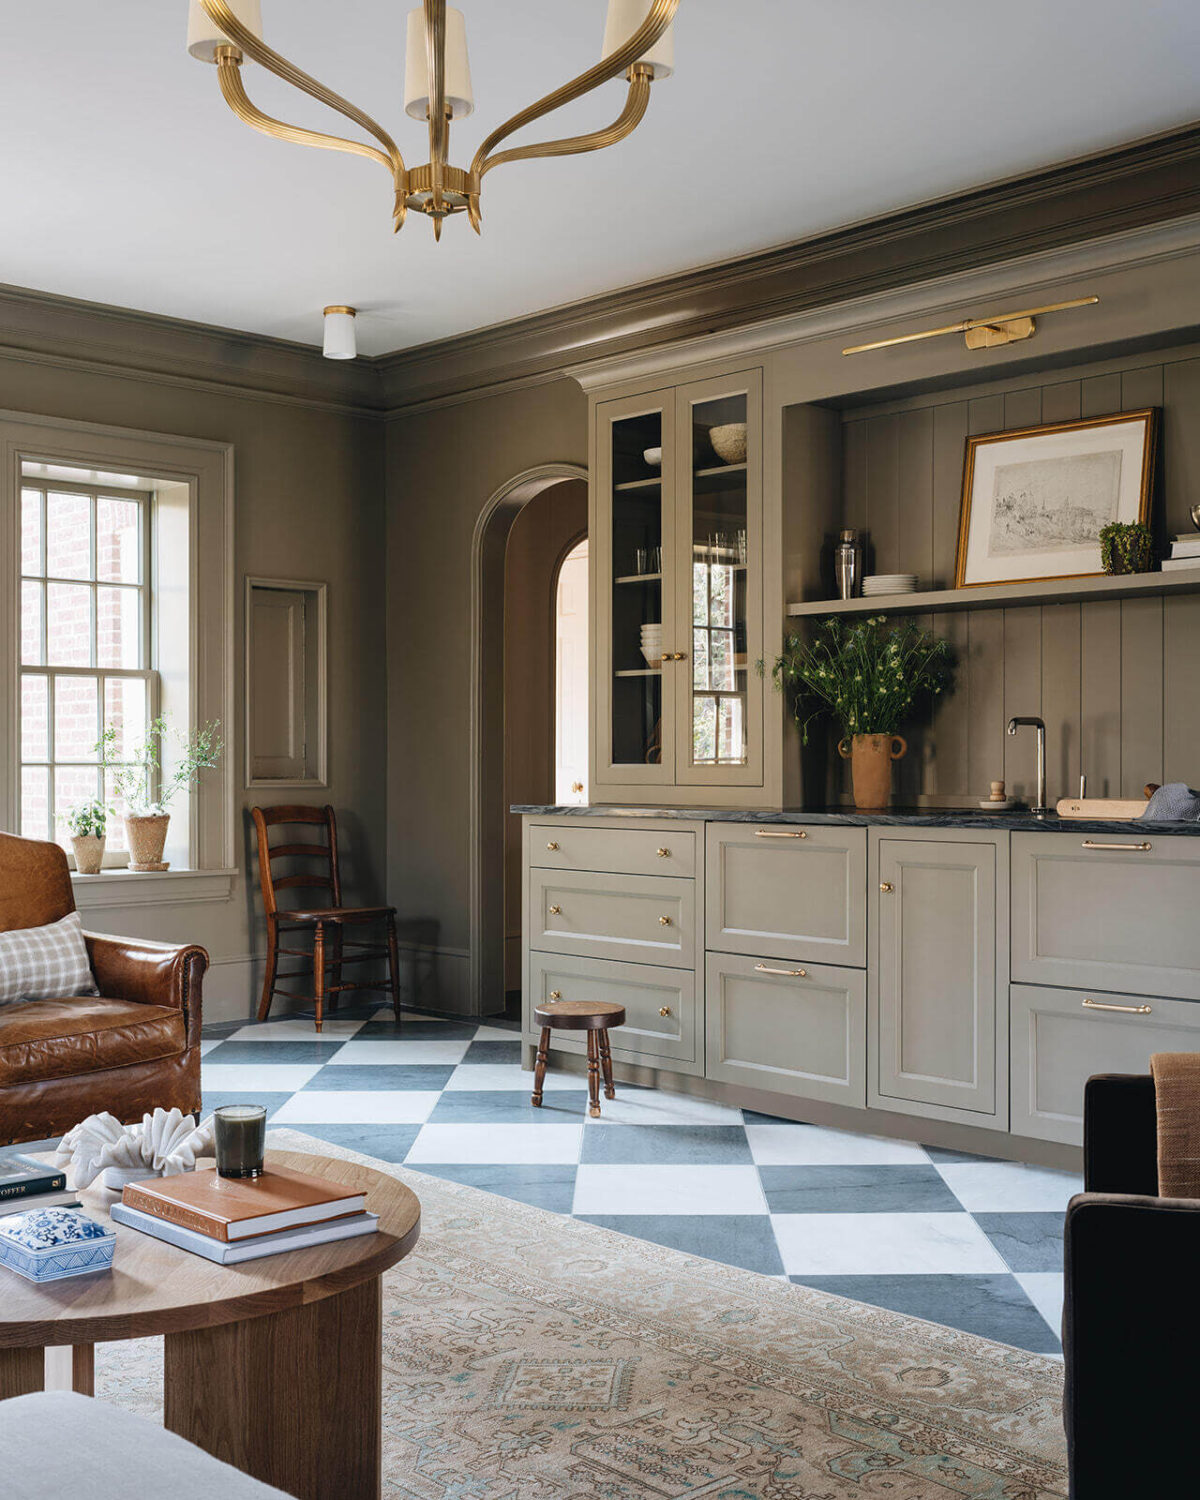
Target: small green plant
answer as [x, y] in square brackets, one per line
[86, 820]
[1126, 547]
[867, 676]
[134, 776]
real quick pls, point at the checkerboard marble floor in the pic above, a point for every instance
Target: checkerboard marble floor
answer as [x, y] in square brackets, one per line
[962, 1240]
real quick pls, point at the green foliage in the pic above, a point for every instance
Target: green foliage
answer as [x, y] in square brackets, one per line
[1126, 547]
[866, 675]
[87, 819]
[135, 778]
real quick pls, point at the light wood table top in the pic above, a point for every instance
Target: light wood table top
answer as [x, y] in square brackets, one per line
[156, 1288]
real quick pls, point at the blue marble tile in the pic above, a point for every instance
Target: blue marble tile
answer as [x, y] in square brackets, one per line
[994, 1307]
[507, 1107]
[492, 1051]
[259, 1053]
[744, 1240]
[856, 1189]
[1028, 1242]
[692, 1145]
[549, 1187]
[415, 1029]
[752, 1117]
[387, 1142]
[213, 1100]
[423, 1076]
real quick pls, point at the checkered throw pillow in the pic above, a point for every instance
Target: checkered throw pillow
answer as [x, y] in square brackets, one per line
[45, 963]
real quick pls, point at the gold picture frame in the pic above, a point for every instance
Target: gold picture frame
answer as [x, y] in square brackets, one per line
[1019, 496]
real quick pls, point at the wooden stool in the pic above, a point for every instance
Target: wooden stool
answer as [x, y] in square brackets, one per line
[592, 1016]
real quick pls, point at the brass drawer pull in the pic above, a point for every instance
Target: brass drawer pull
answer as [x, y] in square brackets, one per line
[664, 1010]
[1123, 1010]
[664, 921]
[663, 853]
[886, 887]
[1142, 848]
[552, 846]
[556, 911]
[784, 973]
[556, 994]
[780, 833]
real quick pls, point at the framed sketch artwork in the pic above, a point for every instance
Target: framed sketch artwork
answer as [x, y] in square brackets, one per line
[1034, 500]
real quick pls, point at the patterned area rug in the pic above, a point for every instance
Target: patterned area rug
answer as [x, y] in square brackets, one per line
[528, 1356]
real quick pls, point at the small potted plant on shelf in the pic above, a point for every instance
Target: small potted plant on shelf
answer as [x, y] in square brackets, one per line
[87, 823]
[135, 777]
[1126, 547]
[867, 676]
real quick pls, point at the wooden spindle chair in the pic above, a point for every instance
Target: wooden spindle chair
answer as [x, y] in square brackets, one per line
[326, 922]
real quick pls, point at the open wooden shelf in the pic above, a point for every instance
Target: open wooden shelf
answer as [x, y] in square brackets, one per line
[639, 578]
[1010, 595]
[653, 482]
[641, 672]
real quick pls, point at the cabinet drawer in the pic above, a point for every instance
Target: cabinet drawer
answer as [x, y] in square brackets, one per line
[1058, 1042]
[786, 891]
[1113, 918]
[619, 851]
[787, 1028]
[647, 1035]
[639, 918]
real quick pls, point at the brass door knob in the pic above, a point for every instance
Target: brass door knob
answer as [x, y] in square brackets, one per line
[664, 921]
[556, 994]
[663, 853]
[556, 911]
[886, 886]
[552, 846]
[664, 1010]
[577, 786]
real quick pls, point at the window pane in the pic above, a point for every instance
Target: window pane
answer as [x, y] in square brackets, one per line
[35, 726]
[125, 711]
[72, 785]
[116, 812]
[69, 625]
[31, 531]
[32, 599]
[35, 802]
[68, 536]
[118, 549]
[118, 627]
[76, 718]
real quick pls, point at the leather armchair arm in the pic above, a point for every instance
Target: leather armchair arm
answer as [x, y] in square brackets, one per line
[150, 974]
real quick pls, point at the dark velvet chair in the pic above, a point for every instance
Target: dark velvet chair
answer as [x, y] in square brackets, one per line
[1131, 1318]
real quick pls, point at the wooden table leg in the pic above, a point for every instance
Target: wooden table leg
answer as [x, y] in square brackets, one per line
[22, 1371]
[71, 1367]
[292, 1398]
[539, 1068]
[606, 1064]
[593, 1057]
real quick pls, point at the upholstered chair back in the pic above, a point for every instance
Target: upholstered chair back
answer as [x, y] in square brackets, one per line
[35, 883]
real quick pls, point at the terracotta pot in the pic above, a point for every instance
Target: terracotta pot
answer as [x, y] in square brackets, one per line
[871, 757]
[89, 852]
[147, 836]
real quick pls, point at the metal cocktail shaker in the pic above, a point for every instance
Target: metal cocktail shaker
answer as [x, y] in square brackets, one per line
[845, 563]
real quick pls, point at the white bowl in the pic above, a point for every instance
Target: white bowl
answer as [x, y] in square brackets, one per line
[729, 442]
[652, 457]
[652, 657]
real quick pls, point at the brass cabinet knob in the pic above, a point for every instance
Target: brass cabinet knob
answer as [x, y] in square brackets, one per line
[663, 853]
[666, 656]
[552, 846]
[556, 911]
[664, 1010]
[678, 655]
[556, 994]
[664, 921]
[577, 786]
[886, 886]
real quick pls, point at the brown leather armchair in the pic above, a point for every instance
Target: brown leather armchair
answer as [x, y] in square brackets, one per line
[131, 1048]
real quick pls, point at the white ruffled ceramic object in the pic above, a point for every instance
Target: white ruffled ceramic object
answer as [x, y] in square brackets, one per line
[166, 1143]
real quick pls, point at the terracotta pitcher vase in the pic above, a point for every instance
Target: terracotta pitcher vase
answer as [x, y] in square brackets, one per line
[871, 757]
[146, 835]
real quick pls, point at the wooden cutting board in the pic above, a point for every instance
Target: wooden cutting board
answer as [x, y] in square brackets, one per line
[1101, 807]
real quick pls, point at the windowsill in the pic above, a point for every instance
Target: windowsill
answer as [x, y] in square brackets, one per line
[119, 887]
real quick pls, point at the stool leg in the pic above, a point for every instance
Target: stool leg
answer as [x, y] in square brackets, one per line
[319, 975]
[593, 1057]
[606, 1065]
[539, 1070]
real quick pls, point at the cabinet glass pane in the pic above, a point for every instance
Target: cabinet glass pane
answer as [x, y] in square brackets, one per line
[637, 594]
[719, 556]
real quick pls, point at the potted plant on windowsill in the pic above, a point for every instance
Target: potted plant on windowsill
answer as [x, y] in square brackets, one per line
[87, 823]
[136, 778]
[867, 676]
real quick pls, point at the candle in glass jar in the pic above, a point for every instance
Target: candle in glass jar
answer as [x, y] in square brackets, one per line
[239, 1137]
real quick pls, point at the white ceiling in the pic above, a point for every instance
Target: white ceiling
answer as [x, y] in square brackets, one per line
[126, 180]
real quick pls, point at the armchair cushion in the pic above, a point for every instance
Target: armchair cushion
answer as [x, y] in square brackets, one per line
[46, 1039]
[38, 962]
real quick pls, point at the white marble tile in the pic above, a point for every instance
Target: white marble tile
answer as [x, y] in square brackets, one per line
[296, 1029]
[206, 1047]
[634, 1106]
[399, 1051]
[509, 1076]
[496, 1145]
[603, 1189]
[815, 1146]
[357, 1107]
[884, 1245]
[250, 1078]
[495, 1034]
[994, 1187]
[1045, 1290]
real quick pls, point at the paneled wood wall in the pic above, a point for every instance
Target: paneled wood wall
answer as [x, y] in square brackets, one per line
[1118, 683]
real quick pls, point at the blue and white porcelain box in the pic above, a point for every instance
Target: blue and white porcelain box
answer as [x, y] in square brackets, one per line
[47, 1244]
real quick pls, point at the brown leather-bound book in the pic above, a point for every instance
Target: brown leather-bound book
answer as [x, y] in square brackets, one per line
[233, 1208]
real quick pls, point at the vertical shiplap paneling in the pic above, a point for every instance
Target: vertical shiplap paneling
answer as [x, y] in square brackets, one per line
[1099, 395]
[1023, 408]
[1022, 695]
[854, 473]
[1061, 663]
[1100, 697]
[1141, 694]
[949, 773]
[1142, 387]
[1181, 689]
[883, 494]
[985, 414]
[915, 495]
[985, 663]
[1061, 401]
[1181, 436]
[914, 770]
[949, 449]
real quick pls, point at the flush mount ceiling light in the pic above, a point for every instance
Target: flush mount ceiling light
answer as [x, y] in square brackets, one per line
[339, 342]
[437, 88]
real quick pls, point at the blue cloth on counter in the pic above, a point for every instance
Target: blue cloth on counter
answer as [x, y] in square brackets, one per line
[1173, 803]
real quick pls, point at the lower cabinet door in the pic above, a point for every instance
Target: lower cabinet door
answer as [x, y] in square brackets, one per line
[1061, 1037]
[660, 1005]
[788, 1028]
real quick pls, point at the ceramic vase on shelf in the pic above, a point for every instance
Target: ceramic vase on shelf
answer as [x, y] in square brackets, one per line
[871, 757]
[88, 849]
[147, 837]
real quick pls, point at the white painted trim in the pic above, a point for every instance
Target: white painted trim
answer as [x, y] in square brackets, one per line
[124, 888]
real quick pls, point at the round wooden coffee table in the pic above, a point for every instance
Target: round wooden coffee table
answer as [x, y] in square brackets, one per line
[273, 1365]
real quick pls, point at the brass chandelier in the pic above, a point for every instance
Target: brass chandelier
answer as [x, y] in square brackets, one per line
[637, 43]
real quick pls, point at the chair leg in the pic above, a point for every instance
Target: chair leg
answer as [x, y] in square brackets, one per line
[593, 1057]
[394, 966]
[606, 1064]
[268, 992]
[335, 966]
[539, 1069]
[319, 974]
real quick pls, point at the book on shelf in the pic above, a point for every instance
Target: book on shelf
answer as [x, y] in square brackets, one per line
[26, 1177]
[234, 1208]
[62, 1199]
[1186, 544]
[255, 1247]
[1169, 564]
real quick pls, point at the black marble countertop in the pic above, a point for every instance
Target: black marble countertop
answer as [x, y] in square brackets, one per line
[899, 817]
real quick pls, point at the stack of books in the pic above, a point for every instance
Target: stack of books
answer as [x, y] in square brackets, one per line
[1185, 551]
[26, 1182]
[233, 1219]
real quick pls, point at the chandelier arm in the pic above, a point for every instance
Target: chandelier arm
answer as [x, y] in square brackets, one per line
[220, 14]
[658, 18]
[435, 48]
[625, 124]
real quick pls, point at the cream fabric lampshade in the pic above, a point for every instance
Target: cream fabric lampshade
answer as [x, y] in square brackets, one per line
[340, 341]
[624, 18]
[204, 38]
[458, 68]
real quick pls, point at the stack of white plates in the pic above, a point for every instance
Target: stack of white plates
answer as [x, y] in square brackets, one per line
[652, 643]
[889, 583]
